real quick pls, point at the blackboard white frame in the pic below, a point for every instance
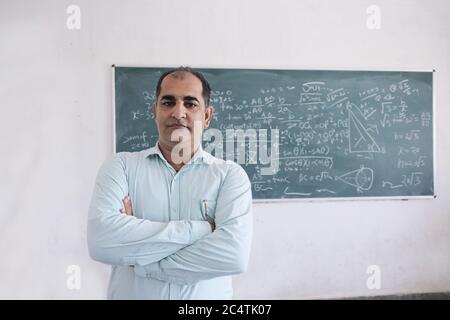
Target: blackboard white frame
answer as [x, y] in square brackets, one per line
[324, 199]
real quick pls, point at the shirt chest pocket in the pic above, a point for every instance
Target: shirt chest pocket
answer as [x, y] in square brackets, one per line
[203, 209]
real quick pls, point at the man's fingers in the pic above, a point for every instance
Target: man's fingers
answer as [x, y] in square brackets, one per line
[123, 210]
[127, 208]
[127, 205]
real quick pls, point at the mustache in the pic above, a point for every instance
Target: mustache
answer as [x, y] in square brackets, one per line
[177, 123]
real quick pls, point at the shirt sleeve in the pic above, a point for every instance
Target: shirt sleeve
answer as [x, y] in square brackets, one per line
[118, 239]
[224, 252]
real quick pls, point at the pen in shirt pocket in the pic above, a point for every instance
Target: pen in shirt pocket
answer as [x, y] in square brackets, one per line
[206, 216]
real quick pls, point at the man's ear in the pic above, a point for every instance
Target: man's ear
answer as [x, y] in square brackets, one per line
[208, 115]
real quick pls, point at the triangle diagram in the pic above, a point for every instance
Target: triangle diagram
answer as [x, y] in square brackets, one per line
[359, 139]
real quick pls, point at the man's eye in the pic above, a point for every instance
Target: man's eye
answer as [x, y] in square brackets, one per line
[190, 104]
[167, 103]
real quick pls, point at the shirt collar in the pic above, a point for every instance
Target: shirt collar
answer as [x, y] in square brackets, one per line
[200, 156]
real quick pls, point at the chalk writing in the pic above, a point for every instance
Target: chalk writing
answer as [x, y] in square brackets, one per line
[337, 134]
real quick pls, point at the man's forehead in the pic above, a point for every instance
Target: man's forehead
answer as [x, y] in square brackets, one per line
[181, 80]
[185, 85]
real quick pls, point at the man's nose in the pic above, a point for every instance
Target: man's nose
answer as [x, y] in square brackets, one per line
[179, 111]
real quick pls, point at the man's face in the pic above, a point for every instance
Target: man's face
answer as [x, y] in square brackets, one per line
[179, 106]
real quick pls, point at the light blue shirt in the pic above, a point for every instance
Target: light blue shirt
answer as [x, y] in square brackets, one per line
[167, 249]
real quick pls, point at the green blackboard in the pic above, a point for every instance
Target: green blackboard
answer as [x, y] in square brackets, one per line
[304, 133]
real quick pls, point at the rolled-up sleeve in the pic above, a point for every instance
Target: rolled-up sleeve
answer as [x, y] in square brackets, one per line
[224, 252]
[118, 239]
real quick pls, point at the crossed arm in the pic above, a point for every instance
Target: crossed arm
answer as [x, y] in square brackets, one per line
[120, 239]
[225, 251]
[182, 252]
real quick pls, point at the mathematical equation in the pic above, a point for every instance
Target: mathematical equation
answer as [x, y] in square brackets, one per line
[334, 138]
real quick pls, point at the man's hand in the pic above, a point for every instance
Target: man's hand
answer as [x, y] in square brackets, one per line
[127, 207]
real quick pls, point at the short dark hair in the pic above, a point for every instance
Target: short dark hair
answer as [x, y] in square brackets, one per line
[206, 89]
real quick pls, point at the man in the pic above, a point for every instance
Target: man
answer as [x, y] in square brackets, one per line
[173, 221]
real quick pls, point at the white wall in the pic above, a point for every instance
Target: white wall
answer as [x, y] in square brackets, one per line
[56, 116]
